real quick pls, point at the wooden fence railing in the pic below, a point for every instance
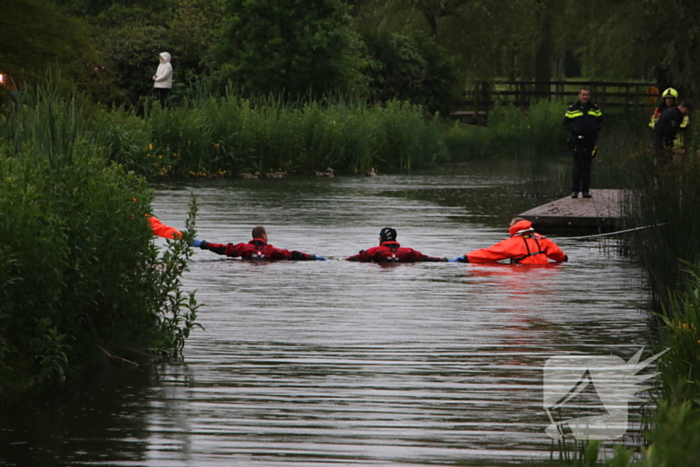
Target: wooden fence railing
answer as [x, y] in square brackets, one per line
[484, 96]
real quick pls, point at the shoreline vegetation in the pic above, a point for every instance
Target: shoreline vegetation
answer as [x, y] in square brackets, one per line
[81, 283]
[70, 169]
[212, 136]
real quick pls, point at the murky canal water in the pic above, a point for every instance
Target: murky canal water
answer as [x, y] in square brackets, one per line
[339, 363]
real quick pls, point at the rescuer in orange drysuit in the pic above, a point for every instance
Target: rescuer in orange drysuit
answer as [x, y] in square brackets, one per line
[524, 246]
[165, 231]
[162, 230]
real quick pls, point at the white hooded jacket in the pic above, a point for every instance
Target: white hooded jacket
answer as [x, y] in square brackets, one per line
[164, 75]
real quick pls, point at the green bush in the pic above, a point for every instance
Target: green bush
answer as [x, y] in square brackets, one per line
[412, 67]
[80, 279]
[537, 132]
[289, 48]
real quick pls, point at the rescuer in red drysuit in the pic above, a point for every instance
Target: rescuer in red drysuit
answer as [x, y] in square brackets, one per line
[390, 251]
[257, 249]
[524, 246]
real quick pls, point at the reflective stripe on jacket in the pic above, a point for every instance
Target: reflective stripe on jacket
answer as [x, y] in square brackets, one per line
[667, 127]
[583, 120]
[678, 140]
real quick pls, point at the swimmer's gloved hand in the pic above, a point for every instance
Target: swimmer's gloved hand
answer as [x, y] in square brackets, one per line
[197, 243]
[460, 259]
[320, 258]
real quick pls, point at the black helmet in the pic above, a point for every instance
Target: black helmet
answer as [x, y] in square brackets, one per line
[387, 234]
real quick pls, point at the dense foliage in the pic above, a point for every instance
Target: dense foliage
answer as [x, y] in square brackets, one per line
[291, 47]
[37, 35]
[425, 51]
[80, 279]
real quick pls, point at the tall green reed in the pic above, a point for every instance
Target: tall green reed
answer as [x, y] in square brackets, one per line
[48, 123]
[512, 131]
[211, 135]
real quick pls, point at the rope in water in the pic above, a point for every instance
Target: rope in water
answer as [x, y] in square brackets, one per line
[611, 234]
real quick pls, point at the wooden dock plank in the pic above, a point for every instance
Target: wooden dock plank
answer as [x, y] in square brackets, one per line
[603, 212]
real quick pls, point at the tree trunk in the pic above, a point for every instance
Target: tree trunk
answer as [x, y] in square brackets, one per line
[543, 53]
[432, 21]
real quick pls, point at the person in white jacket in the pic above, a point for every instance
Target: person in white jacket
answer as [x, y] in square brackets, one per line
[163, 79]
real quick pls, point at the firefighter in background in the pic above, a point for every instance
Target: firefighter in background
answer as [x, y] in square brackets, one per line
[583, 120]
[524, 246]
[391, 251]
[666, 130]
[670, 99]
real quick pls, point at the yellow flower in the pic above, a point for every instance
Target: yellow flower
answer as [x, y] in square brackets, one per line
[683, 327]
[150, 146]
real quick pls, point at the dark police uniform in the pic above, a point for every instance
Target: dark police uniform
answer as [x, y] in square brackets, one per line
[582, 121]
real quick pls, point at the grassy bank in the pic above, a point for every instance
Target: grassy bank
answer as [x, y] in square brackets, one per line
[81, 283]
[230, 135]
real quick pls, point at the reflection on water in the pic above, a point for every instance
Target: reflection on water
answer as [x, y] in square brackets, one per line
[349, 363]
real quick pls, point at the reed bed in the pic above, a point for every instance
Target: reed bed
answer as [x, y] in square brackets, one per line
[229, 135]
[210, 136]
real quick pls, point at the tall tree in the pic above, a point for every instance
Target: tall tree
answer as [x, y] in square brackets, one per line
[434, 10]
[286, 46]
[413, 68]
[193, 31]
[544, 58]
[37, 35]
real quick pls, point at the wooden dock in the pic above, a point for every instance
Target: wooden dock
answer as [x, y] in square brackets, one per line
[601, 213]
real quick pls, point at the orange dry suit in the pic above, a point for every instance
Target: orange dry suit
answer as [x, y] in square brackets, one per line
[162, 230]
[524, 246]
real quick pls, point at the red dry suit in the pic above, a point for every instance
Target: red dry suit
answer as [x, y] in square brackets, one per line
[162, 230]
[256, 249]
[524, 246]
[391, 252]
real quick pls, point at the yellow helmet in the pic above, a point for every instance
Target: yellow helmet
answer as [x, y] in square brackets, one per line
[670, 92]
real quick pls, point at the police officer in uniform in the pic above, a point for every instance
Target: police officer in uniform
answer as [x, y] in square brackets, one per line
[583, 120]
